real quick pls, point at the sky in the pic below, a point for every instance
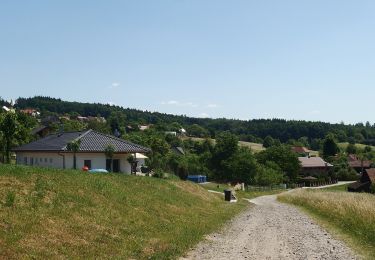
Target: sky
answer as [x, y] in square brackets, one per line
[304, 60]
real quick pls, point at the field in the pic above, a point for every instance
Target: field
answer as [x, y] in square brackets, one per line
[48, 213]
[350, 215]
[360, 146]
[255, 147]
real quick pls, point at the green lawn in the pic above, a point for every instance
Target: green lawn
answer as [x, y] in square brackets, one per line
[342, 188]
[47, 213]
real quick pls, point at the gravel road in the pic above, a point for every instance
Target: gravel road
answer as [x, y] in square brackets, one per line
[271, 230]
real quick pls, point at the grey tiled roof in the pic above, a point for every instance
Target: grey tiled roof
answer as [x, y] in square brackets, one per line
[90, 141]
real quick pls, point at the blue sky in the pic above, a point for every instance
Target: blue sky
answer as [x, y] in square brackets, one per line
[310, 60]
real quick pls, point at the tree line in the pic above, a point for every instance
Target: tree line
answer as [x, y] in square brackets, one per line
[256, 130]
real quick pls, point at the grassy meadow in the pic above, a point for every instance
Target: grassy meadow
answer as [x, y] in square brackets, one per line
[255, 147]
[350, 215]
[46, 213]
[343, 146]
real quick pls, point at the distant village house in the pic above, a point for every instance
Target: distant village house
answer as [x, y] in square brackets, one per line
[357, 164]
[30, 112]
[364, 184]
[301, 151]
[314, 166]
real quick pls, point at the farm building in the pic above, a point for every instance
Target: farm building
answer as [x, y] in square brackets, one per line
[314, 166]
[357, 164]
[301, 151]
[364, 184]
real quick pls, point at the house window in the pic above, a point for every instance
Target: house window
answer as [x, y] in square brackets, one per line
[45, 160]
[31, 161]
[25, 160]
[87, 163]
[50, 160]
[41, 159]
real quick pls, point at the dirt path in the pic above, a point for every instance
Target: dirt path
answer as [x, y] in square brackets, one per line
[271, 230]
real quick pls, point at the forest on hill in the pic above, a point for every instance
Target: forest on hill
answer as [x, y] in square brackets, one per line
[221, 159]
[255, 130]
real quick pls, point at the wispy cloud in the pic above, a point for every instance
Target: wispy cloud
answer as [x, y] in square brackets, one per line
[212, 106]
[114, 85]
[179, 103]
[315, 112]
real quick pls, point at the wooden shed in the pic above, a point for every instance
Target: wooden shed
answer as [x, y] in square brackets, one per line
[364, 184]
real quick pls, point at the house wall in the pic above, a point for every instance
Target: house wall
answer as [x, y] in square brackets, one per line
[53, 160]
[315, 171]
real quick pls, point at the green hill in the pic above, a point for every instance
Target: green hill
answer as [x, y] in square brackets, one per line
[47, 213]
[246, 130]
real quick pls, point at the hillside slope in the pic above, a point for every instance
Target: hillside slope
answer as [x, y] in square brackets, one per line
[48, 213]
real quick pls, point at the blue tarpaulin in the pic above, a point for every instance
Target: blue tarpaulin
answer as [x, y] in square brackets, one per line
[197, 178]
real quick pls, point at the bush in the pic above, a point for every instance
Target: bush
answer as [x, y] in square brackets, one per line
[268, 176]
[346, 175]
[159, 174]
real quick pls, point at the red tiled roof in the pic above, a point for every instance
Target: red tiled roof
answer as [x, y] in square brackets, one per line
[300, 149]
[313, 162]
[358, 164]
[354, 162]
[28, 110]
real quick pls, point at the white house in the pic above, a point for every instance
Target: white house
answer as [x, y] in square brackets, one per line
[51, 151]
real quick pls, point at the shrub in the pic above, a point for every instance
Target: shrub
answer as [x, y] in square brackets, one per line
[268, 176]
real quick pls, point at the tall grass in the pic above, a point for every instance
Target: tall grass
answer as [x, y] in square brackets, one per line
[47, 213]
[351, 213]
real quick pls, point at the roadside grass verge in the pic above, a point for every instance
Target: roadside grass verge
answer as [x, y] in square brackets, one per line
[350, 215]
[49, 213]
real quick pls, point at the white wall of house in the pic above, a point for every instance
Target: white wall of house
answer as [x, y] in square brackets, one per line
[54, 160]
